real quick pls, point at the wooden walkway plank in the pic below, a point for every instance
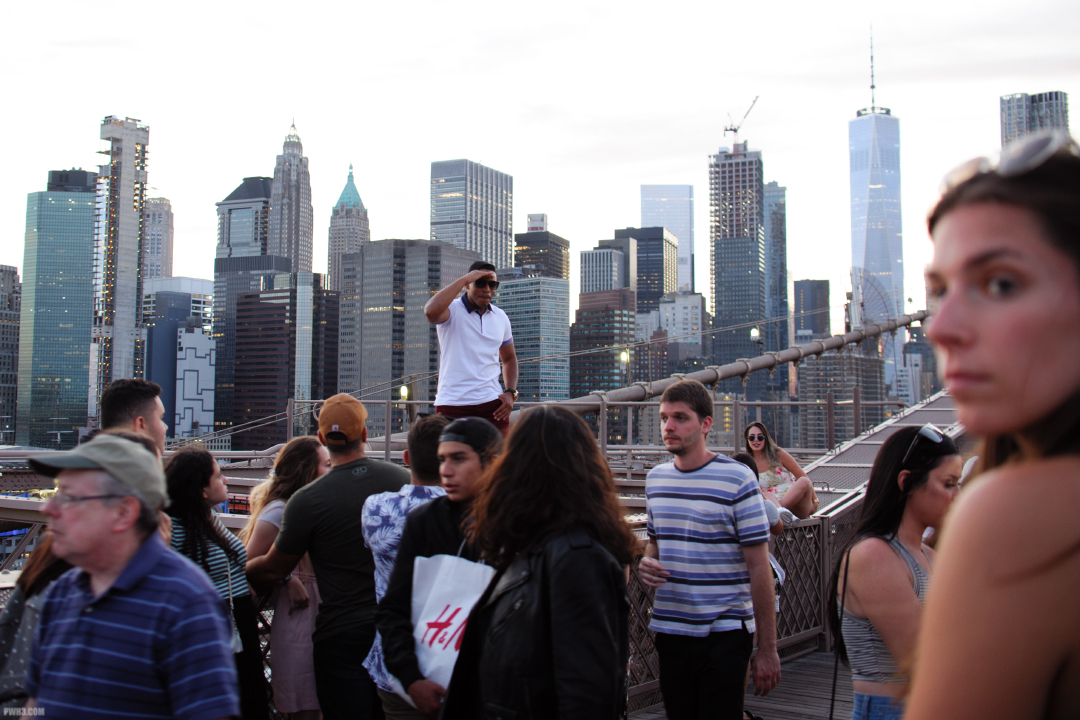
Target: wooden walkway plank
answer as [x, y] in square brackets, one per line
[803, 693]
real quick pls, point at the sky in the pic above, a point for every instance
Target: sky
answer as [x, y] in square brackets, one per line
[581, 102]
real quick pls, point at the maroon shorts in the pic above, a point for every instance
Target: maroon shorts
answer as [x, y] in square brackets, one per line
[484, 410]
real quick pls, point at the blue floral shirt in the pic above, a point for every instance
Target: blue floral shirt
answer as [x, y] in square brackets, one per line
[383, 520]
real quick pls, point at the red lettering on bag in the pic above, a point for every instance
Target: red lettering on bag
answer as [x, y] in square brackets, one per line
[439, 625]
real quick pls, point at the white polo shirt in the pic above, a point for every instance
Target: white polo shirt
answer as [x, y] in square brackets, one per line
[469, 346]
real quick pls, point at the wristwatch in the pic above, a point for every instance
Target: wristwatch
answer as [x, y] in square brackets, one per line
[513, 392]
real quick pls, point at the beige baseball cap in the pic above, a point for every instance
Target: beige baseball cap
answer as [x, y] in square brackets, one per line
[128, 462]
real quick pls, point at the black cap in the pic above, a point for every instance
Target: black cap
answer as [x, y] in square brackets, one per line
[476, 432]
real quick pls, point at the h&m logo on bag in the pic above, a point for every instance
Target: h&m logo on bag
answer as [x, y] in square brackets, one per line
[443, 632]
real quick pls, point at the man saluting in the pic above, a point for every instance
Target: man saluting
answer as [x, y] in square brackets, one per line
[474, 336]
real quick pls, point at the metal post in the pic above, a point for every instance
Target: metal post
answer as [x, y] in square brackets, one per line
[389, 428]
[856, 408]
[736, 423]
[830, 420]
[290, 412]
[603, 424]
[629, 425]
[758, 413]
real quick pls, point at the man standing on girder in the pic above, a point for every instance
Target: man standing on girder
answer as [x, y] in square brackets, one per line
[474, 336]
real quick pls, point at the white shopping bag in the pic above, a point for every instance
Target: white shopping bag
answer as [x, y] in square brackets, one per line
[445, 589]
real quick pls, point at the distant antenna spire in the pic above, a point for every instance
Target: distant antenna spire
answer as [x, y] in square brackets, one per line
[873, 87]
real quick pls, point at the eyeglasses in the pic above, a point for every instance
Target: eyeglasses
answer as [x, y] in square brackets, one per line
[483, 283]
[755, 438]
[928, 431]
[1021, 157]
[63, 500]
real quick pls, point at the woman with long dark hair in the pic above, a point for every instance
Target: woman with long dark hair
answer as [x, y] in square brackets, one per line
[1001, 636]
[880, 581]
[195, 486]
[779, 474]
[296, 603]
[549, 638]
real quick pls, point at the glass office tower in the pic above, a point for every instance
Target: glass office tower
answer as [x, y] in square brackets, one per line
[672, 207]
[57, 311]
[877, 252]
[539, 311]
[472, 209]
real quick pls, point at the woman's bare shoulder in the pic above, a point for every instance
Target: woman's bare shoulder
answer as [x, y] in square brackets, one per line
[1017, 512]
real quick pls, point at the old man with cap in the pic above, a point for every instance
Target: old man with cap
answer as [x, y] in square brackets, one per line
[325, 520]
[134, 629]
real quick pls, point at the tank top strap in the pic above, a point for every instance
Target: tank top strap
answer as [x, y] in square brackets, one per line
[920, 577]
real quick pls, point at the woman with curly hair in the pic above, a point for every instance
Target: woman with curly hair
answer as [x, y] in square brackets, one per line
[292, 667]
[549, 637]
[195, 486]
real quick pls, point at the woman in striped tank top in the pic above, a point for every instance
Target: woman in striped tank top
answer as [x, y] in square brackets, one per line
[195, 486]
[884, 570]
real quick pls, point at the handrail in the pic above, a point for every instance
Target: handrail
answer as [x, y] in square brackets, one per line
[739, 368]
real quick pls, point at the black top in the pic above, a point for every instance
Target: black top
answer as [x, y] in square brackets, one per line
[325, 520]
[431, 529]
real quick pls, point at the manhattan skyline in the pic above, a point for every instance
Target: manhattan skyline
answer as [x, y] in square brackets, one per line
[574, 151]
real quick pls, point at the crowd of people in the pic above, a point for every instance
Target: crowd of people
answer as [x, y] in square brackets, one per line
[488, 577]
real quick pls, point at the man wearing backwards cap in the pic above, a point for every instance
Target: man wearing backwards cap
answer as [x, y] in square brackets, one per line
[325, 520]
[466, 447]
[134, 629]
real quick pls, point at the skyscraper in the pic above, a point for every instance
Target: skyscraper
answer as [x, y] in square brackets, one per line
[603, 269]
[286, 348]
[241, 264]
[538, 307]
[10, 308]
[118, 337]
[385, 337]
[195, 365]
[168, 304]
[292, 223]
[472, 208]
[348, 228]
[545, 250]
[157, 260]
[57, 310]
[672, 207]
[657, 262]
[604, 324]
[776, 332]
[811, 310]
[737, 257]
[877, 249]
[1022, 114]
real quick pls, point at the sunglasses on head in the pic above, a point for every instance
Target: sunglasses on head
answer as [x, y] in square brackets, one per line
[1019, 158]
[928, 431]
[483, 283]
[755, 438]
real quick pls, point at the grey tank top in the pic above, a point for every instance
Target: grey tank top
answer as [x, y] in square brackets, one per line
[867, 653]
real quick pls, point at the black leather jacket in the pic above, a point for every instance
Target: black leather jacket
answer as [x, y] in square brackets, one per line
[548, 639]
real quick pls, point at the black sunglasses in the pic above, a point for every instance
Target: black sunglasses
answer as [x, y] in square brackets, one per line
[755, 438]
[928, 431]
[483, 283]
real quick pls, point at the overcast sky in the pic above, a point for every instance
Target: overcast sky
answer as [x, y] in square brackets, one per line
[581, 102]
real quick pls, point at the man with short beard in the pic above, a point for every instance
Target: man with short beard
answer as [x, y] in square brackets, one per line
[708, 558]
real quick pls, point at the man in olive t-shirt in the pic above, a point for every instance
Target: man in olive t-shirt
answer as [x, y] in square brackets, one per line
[324, 519]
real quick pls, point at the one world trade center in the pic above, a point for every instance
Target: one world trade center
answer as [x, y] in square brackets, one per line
[877, 253]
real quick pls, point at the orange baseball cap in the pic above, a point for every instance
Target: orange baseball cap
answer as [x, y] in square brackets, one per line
[341, 419]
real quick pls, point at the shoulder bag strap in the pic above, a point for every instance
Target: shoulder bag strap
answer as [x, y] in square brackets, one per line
[836, 662]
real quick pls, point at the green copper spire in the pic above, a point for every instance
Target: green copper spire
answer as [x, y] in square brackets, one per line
[350, 196]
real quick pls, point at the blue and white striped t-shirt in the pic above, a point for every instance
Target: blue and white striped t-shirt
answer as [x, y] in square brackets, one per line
[700, 520]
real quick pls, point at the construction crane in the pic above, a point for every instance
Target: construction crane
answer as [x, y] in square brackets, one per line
[734, 129]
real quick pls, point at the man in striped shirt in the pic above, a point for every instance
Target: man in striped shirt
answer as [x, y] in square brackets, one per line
[708, 558]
